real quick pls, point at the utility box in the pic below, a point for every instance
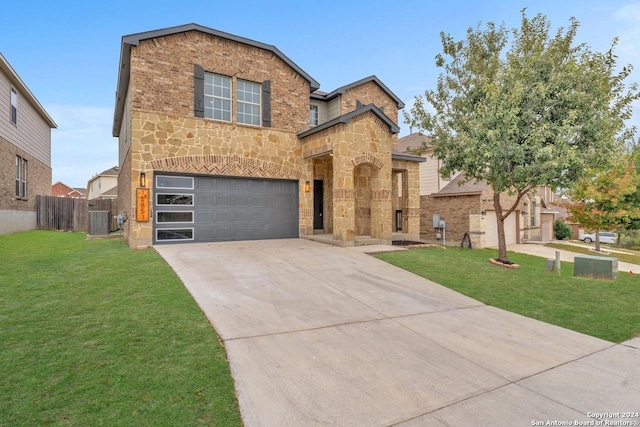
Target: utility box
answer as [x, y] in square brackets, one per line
[99, 223]
[597, 267]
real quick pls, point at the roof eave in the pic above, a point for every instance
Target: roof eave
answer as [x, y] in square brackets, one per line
[400, 156]
[135, 39]
[373, 78]
[346, 118]
[15, 80]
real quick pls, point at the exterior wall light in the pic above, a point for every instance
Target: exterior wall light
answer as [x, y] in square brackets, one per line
[143, 180]
[307, 187]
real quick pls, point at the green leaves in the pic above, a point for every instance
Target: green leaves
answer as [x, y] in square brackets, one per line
[523, 107]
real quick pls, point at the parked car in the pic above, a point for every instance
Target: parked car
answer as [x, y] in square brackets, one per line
[605, 237]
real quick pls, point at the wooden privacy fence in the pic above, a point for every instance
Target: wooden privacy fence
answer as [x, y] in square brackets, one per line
[61, 213]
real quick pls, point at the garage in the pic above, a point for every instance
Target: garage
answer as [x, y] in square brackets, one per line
[491, 229]
[219, 209]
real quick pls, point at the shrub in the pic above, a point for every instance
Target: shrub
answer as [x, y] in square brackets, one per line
[562, 230]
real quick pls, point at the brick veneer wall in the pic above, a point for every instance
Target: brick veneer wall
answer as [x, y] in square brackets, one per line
[162, 76]
[38, 178]
[455, 210]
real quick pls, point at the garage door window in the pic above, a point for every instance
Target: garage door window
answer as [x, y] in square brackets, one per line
[174, 199]
[181, 182]
[174, 234]
[168, 217]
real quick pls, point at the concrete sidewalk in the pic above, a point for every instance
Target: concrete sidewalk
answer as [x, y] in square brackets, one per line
[567, 256]
[322, 335]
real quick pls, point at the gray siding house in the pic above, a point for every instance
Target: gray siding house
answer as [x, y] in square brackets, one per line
[25, 152]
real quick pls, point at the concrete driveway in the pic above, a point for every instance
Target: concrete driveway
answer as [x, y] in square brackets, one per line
[322, 335]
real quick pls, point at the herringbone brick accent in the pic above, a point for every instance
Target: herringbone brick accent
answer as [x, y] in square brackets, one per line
[344, 194]
[368, 158]
[306, 213]
[225, 165]
[381, 195]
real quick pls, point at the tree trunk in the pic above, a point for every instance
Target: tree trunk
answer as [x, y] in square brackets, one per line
[597, 240]
[502, 242]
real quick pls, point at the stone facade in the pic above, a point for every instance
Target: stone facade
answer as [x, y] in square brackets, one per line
[160, 132]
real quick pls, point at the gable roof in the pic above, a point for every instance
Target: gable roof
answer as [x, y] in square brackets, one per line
[24, 91]
[412, 141]
[341, 90]
[459, 187]
[135, 39]
[346, 119]
[114, 171]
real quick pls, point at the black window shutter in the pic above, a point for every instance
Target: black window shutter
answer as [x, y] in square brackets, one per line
[266, 103]
[198, 91]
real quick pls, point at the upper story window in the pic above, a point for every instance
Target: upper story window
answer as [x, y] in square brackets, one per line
[14, 106]
[314, 115]
[21, 177]
[217, 97]
[248, 96]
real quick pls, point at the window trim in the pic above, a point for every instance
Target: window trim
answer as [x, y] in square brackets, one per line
[175, 188]
[533, 214]
[13, 110]
[258, 104]
[213, 97]
[174, 222]
[193, 234]
[312, 108]
[193, 198]
[21, 177]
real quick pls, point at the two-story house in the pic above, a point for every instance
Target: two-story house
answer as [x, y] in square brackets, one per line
[103, 185]
[60, 189]
[25, 152]
[225, 138]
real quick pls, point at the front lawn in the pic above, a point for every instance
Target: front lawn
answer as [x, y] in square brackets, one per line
[95, 334]
[623, 255]
[603, 309]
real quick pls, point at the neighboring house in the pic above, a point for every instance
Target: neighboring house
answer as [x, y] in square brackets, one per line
[25, 152]
[234, 141]
[430, 179]
[100, 186]
[60, 189]
[467, 206]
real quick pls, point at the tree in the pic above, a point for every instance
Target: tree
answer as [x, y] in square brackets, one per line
[608, 198]
[561, 229]
[523, 111]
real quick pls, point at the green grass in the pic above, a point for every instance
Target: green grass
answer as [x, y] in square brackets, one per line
[603, 309]
[627, 256]
[95, 334]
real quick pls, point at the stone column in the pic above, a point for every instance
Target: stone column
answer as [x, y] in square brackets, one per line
[381, 205]
[344, 215]
[411, 196]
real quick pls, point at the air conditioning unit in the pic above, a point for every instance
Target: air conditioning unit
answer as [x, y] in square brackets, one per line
[99, 223]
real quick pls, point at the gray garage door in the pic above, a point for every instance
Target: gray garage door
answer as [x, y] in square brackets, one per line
[217, 209]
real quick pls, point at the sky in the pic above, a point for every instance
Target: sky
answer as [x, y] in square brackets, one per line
[67, 52]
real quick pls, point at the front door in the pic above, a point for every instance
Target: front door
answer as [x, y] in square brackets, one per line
[318, 204]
